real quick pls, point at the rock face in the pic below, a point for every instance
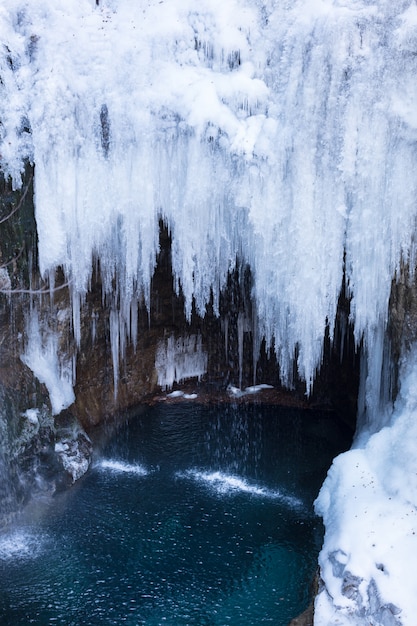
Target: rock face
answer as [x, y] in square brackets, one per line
[305, 619]
[402, 326]
[39, 452]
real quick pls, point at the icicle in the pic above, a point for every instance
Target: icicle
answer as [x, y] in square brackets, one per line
[240, 338]
[93, 327]
[225, 326]
[256, 347]
[76, 316]
[134, 322]
[179, 359]
[115, 346]
[374, 407]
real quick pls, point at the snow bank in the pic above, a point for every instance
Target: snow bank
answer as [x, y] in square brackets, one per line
[369, 506]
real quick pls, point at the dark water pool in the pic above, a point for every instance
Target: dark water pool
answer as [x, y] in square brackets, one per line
[191, 515]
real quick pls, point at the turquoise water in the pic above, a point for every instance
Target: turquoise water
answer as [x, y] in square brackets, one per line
[191, 515]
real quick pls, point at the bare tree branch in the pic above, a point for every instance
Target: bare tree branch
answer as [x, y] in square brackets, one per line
[34, 292]
[19, 204]
[7, 290]
[13, 259]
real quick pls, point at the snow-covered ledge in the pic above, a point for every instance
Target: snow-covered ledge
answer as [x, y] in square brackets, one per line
[369, 507]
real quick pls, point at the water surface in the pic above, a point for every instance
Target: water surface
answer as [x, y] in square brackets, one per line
[191, 515]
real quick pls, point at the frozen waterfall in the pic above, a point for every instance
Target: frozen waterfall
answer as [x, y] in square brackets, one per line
[280, 136]
[279, 133]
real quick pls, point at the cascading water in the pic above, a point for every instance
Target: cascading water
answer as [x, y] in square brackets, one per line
[280, 135]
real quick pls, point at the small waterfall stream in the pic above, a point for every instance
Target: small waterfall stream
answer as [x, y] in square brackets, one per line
[190, 515]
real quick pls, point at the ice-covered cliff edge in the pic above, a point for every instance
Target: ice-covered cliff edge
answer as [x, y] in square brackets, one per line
[280, 133]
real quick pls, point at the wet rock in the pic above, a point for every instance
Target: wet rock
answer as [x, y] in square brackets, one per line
[305, 619]
[40, 457]
[74, 449]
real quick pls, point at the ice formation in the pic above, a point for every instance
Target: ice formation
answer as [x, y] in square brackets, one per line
[43, 357]
[179, 359]
[280, 133]
[252, 129]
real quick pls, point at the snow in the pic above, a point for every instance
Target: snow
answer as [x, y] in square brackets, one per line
[253, 389]
[180, 394]
[32, 416]
[176, 394]
[278, 133]
[369, 506]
